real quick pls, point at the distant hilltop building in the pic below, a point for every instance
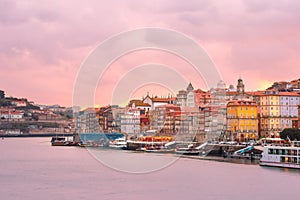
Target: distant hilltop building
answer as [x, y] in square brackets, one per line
[192, 98]
[282, 86]
[158, 101]
[19, 102]
[2, 94]
[139, 104]
[11, 114]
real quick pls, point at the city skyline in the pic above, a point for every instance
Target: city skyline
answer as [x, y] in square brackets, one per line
[44, 44]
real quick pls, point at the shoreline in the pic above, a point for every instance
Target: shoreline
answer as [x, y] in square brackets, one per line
[37, 135]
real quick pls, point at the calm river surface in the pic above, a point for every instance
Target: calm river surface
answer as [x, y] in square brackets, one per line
[30, 168]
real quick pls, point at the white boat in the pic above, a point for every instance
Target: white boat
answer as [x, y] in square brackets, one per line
[119, 143]
[187, 151]
[281, 156]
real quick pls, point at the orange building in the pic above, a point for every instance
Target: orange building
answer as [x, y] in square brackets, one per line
[242, 120]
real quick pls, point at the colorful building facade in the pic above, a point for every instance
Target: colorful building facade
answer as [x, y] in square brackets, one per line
[242, 120]
[277, 111]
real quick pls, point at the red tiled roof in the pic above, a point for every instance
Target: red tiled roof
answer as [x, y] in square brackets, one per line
[256, 93]
[169, 106]
[199, 91]
[159, 99]
[280, 94]
[138, 102]
[91, 109]
[241, 103]
[288, 94]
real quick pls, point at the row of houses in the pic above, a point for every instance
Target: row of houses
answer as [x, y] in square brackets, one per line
[219, 112]
[11, 114]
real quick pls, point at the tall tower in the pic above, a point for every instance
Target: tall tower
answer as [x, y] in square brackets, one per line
[2, 94]
[240, 88]
[190, 87]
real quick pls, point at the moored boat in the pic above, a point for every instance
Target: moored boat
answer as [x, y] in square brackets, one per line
[61, 141]
[187, 151]
[58, 141]
[281, 156]
[119, 143]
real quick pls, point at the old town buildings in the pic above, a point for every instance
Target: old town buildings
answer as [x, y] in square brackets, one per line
[219, 113]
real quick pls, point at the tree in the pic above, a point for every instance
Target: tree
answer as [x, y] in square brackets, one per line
[35, 117]
[5, 102]
[292, 133]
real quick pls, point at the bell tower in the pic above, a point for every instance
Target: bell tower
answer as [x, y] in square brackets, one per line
[240, 88]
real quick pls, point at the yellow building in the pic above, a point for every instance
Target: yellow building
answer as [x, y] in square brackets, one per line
[242, 120]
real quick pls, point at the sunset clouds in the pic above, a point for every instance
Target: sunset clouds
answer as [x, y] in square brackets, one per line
[43, 43]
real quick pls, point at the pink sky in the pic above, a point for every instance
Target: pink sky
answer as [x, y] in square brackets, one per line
[43, 43]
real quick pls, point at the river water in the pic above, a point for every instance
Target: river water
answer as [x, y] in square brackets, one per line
[32, 169]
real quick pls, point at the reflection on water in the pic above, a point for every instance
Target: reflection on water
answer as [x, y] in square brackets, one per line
[32, 169]
[286, 171]
[132, 162]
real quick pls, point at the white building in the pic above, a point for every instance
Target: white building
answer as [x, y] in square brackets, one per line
[130, 122]
[11, 115]
[87, 121]
[19, 102]
[289, 102]
[158, 101]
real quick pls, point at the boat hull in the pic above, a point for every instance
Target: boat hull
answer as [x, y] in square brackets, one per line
[276, 164]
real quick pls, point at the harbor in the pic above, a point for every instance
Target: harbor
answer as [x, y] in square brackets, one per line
[273, 152]
[230, 152]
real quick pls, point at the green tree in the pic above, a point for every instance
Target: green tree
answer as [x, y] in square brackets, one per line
[35, 117]
[292, 133]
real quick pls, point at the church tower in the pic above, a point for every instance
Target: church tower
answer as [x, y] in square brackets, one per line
[240, 88]
[190, 87]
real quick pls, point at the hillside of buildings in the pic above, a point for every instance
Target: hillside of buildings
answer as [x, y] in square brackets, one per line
[20, 116]
[224, 112]
[227, 113]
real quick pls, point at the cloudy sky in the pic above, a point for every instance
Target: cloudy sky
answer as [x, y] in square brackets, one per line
[44, 43]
